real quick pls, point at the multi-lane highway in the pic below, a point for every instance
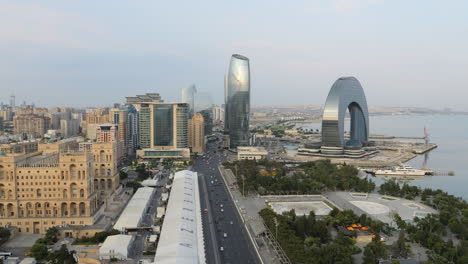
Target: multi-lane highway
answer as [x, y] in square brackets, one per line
[226, 240]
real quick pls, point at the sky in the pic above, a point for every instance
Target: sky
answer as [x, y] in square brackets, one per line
[89, 53]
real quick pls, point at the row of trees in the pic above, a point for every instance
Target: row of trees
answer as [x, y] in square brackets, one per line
[306, 239]
[315, 177]
[392, 188]
[445, 234]
[99, 237]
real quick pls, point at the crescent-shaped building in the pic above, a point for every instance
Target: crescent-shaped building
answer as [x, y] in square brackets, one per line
[345, 94]
[237, 96]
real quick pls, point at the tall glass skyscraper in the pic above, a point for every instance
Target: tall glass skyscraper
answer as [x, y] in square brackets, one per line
[188, 97]
[237, 101]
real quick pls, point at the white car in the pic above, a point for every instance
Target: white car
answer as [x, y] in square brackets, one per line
[225, 235]
[221, 248]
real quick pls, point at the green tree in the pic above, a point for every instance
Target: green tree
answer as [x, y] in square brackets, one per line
[4, 235]
[51, 235]
[400, 248]
[123, 175]
[39, 251]
[375, 251]
[61, 256]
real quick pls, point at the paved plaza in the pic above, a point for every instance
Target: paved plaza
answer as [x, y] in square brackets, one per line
[301, 208]
[380, 207]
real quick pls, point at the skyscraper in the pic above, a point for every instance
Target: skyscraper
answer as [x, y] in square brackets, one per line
[197, 133]
[188, 97]
[237, 103]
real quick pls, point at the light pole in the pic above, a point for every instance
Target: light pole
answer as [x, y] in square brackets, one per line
[276, 228]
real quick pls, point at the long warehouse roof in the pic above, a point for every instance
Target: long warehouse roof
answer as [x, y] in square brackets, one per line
[181, 239]
[135, 209]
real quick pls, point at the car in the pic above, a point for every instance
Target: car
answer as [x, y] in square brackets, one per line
[221, 248]
[222, 210]
[206, 210]
[225, 235]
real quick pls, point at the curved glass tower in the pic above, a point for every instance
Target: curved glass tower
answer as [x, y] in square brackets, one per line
[188, 97]
[345, 94]
[237, 101]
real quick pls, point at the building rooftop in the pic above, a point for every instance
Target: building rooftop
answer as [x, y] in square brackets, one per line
[252, 149]
[43, 160]
[181, 239]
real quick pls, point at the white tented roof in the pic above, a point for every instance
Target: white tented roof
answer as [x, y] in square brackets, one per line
[135, 209]
[116, 246]
[149, 183]
[181, 240]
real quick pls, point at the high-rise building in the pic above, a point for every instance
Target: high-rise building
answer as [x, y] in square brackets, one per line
[162, 127]
[31, 124]
[188, 97]
[132, 130]
[197, 133]
[169, 125]
[218, 114]
[237, 105]
[119, 117]
[70, 127]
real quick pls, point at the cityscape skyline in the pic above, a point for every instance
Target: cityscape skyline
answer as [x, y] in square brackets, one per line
[44, 58]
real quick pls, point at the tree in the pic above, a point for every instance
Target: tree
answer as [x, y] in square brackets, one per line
[39, 251]
[375, 251]
[123, 174]
[51, 235]
[400, 248]
[4, 235]
[61, 256]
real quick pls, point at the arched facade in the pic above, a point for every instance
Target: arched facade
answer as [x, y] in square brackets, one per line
[346, 93]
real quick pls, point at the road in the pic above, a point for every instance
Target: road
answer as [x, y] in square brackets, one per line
[222, 225]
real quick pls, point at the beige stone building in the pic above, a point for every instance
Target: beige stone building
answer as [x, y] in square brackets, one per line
[31, 124]
[39, 191]
[56, 186]
[27, 146]
[196, 131]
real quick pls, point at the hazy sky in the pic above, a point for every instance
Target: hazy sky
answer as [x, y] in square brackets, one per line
[404, 52]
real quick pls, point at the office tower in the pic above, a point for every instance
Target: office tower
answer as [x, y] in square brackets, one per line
[197, 133]
[218, 114]
[119, 117]
[31, 124]
[144, 124]
[1, 124]
[169, 125]
[208, 118]
[188, 97]
[237, 103]
[70, 127]
[132, 130]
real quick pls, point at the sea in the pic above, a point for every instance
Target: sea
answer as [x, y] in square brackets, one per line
[449, 132]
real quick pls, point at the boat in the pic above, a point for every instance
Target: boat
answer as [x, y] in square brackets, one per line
[404, 170]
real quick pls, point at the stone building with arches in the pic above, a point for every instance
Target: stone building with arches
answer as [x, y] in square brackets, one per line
[40, 190]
